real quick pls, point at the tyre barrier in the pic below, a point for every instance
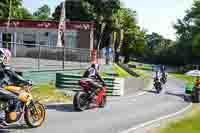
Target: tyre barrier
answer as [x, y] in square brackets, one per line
[69, 83]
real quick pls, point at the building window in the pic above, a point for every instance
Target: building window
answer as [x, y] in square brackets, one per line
[20, 39]
[53, 37]
[43, 38]
[71, 39]
[29, 39]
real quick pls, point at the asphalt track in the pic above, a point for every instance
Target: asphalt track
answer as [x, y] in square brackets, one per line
[118, 116]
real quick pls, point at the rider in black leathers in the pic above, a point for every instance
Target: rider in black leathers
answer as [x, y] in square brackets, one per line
[163, 72]
[91, 75]
[9, 77]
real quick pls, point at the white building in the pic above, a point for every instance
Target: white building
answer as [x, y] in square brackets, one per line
[29, 32]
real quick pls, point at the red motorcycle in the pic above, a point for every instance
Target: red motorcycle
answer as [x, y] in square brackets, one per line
[84, 99]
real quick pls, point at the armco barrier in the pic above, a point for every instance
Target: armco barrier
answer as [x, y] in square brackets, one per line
[69, 82]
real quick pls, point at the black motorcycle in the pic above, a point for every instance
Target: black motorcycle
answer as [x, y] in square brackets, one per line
[157, 85]
[163, 78]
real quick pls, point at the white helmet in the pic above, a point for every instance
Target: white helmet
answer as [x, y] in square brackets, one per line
[5, 56]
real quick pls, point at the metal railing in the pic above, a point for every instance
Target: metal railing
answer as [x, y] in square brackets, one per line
[45, 57]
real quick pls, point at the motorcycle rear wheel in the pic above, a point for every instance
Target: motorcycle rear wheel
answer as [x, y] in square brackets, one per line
[81, 101]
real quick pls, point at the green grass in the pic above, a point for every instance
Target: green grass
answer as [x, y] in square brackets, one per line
[47, 93]
[145, 67]
[121, 72]
[142, 70]
[188, 79]
[189, 124]
[142, 73]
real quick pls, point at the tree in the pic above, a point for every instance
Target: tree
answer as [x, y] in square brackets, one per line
[98, 11]
[125, 18]
[188, 33]
[154, 41]
[104, 11]
[75, 11]
[159, 49]
[5, 8]
[23, 13]
[134, 43]
[43, 13]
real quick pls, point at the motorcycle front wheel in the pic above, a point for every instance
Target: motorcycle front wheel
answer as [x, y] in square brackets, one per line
[35, 115]
[158, 88]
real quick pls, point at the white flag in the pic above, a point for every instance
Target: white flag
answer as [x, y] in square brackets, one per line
[61, 27]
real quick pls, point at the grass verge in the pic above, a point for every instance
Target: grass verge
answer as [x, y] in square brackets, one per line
[142, 69]
[189, 124]
[121, 72]
[47, 93]
[188, 79]
[145, 67]
[143, 74]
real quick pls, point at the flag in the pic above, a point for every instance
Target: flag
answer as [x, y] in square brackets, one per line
[61, 27]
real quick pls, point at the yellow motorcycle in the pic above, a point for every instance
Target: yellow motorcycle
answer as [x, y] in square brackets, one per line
[32, 111]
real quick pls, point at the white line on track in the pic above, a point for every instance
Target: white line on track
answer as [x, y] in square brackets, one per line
[146, 124]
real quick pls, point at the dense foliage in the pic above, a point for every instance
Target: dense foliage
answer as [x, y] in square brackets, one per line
[137, 43]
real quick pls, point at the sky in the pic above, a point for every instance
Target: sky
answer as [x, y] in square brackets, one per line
[152, 15]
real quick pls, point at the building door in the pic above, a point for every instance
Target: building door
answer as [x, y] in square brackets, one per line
[7, 38]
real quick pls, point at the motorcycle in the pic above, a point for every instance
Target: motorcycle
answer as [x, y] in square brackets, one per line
[32, 111]
[83, 99]
[157, 85]
[163, 79]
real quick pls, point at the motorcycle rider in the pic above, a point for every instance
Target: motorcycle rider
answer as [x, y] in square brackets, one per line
[163, 73]
[91, 75]
[157, 75]
[9, 77]
[157, 80]
[162, 68]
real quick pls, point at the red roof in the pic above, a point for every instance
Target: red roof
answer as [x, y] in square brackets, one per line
[78, 25]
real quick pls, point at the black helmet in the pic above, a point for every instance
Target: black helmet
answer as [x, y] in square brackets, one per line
[93, 65]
